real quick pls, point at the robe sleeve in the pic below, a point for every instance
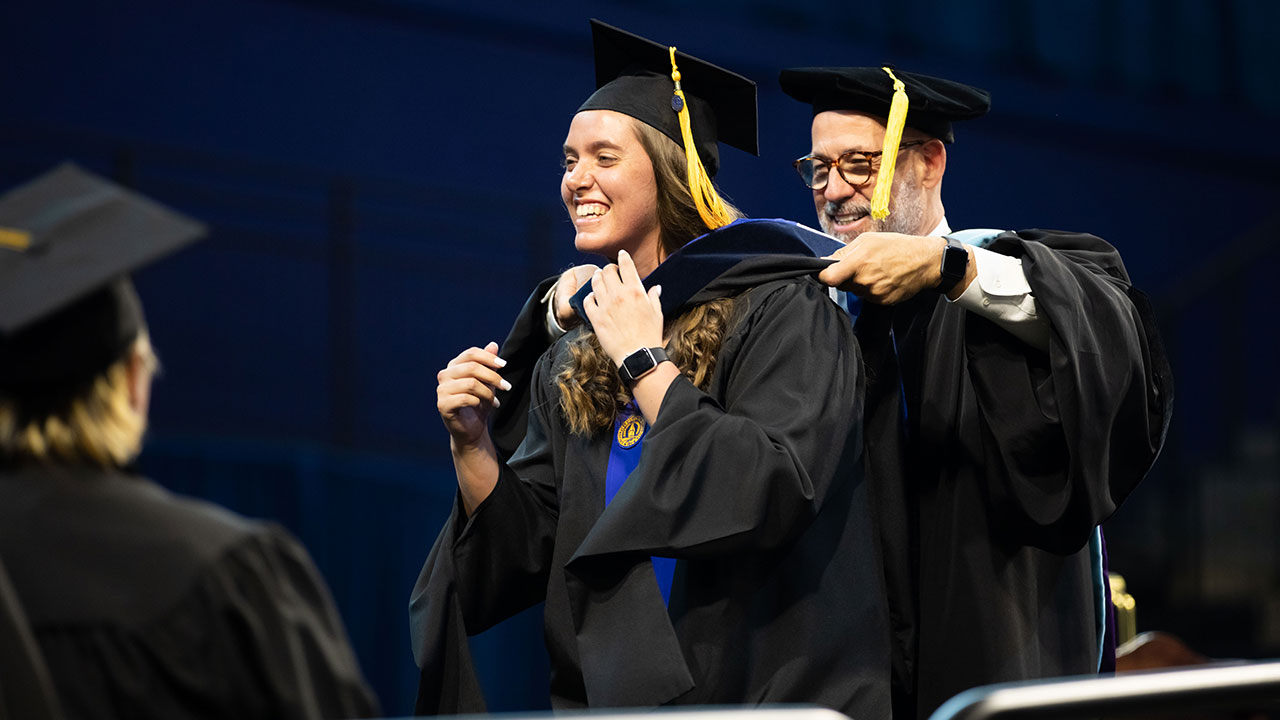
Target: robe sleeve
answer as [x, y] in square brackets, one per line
[1067, 437]
[748, 474]
[525, 343]
[295, 651]
[485, 568]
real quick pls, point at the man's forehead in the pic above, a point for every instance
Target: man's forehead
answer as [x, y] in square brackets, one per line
[844, 130]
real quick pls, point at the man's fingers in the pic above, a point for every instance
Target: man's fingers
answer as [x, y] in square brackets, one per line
[836, 275]
[838, 254]
[848, 261]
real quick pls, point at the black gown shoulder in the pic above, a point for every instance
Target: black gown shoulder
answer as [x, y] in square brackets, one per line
[146, 604]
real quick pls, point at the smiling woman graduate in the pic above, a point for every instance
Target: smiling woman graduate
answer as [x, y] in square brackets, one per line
[689, 498]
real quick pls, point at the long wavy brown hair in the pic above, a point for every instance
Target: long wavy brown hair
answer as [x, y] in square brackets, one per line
[591, 393]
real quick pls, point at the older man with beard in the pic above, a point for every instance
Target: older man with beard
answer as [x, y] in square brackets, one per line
[1018, 393]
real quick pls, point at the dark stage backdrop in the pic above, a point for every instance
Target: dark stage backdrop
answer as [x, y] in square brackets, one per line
[381, 178]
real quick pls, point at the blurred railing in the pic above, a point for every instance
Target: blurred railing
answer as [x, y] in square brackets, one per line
[1235, 690]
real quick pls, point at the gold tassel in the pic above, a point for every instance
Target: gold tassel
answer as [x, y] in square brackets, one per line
[14, 239]
[710, 206]
[889, 157]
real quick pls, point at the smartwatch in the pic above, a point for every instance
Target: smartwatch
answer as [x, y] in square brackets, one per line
[640, 363]
[955, 261]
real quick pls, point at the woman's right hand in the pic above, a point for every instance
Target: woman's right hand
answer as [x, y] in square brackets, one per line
[465, 394]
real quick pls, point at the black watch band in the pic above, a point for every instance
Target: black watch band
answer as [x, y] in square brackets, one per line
[955, 262]
[640, 363]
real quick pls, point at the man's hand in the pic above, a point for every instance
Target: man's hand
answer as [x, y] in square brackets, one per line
[568, 284]
[889, 268]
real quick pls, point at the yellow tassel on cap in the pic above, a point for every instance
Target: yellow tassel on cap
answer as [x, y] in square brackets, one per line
[14, 239]
[710, 206]
[889, 157]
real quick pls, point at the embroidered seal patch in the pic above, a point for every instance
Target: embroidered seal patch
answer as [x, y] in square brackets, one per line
[630, 431]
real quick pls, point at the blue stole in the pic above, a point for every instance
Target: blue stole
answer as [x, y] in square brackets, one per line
[624, 455]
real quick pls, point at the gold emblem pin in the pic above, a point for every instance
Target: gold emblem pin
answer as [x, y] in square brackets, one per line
[630, 432]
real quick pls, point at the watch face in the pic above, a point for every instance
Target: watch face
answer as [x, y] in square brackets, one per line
[638, 363]
[954, 261]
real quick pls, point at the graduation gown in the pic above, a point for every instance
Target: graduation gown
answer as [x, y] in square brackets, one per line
[991, 474]
[148, 605]
[1015, 457]
[756, 486]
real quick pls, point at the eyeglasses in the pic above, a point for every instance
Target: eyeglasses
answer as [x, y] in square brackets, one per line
[855, 167]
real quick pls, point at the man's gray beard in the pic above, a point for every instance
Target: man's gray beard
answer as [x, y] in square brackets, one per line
[906, 211]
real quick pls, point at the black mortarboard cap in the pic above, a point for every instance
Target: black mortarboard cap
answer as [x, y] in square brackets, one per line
[633, 77]
[68, 241]
[935, 102]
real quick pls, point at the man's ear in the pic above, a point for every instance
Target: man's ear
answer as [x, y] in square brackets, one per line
[933, 155]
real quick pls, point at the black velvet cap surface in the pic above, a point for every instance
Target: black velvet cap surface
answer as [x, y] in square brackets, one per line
[68, 241]
[935, 103]
[633, 77]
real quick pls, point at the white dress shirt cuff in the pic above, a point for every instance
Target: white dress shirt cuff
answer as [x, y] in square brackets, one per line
[1002, 294]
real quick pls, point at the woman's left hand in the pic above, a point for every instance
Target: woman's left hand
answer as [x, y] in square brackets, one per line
[624, 316]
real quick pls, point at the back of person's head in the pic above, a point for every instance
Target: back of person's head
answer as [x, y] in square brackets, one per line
[75, 357]
[99, 422]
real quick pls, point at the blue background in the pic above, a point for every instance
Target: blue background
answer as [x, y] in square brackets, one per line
[381, 180]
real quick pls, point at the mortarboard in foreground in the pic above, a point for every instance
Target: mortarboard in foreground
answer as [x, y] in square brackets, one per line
[68, 241]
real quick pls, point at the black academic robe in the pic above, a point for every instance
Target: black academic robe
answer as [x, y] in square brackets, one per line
[756, 486]
[986, 492]
[1007, 459]
[148, 605]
